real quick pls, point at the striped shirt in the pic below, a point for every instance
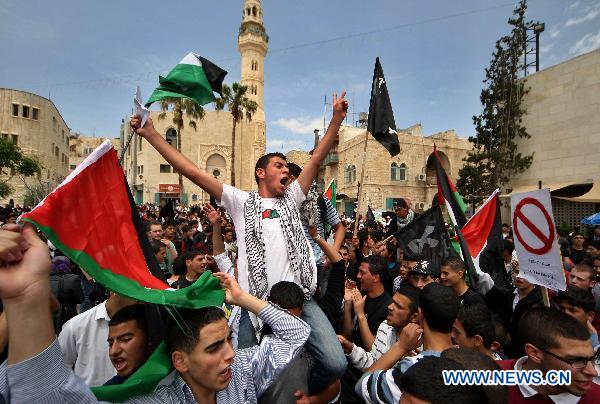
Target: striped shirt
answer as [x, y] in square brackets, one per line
[45, 378]
[331, 218]
[381, 386]
[384, 339]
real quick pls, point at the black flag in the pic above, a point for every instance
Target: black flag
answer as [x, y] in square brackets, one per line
[371, 222]
[381, 117]
[426, 238]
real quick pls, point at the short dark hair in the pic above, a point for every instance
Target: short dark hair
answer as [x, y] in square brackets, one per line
[541, 326]
[576, 233]
[475, 360]
[400, 203]
[156, 245]
[183, 330]
[179, 267]
[263, 162]
[135, 312]
[294, 169]
[170, 223]
[425, 381]
[578, 297]
[377, 235]
[286, 295]
[508, 245]
[412, 294]
[455, 263]
[377, 264]
[477, 319]
[585, 267]
[185, 228]
[440, 306]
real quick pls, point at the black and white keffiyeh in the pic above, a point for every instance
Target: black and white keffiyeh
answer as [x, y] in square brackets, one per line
[297, 247]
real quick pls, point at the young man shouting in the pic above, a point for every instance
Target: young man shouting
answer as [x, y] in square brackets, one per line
[271, 215]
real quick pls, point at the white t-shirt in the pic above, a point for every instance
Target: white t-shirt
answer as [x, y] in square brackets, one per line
[277, 262]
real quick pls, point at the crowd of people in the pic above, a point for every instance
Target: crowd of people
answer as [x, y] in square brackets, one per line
[327, 313]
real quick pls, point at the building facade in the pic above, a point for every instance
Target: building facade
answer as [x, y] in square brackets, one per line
[37, 127]
[563, 119]
[409, 175]
[81, 146]
[209, 146]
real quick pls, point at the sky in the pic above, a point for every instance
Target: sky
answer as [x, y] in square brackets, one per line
[88, 57]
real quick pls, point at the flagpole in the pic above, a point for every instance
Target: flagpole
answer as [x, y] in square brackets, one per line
[362, 181]
[126, 147]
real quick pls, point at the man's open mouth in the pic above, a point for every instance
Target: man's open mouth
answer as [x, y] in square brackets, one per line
[284, 180]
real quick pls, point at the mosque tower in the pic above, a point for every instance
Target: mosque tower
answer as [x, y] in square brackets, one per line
[253, 43]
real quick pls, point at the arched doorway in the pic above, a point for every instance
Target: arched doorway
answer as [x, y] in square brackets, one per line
[431, 178]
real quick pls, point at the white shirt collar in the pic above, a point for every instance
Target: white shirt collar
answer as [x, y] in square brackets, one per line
[101, 313]
[528, 391]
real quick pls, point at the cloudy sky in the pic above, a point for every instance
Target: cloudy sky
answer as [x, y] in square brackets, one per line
[89, 56]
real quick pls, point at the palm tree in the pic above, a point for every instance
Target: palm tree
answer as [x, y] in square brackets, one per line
[239, 105]
[180, 107]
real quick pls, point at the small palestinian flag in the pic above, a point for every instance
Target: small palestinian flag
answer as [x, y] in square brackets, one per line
[92, 219]
[448, 195]
[194, 77]
[330, 192]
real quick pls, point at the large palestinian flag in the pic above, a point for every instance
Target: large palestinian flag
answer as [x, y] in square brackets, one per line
[194, 77]
[92, 219]
[448, 195]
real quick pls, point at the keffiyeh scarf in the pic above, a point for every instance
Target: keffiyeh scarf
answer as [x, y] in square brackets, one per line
[297, 247]
[406, 220]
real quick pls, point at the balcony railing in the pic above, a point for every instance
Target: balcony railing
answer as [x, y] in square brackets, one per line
[332, 158]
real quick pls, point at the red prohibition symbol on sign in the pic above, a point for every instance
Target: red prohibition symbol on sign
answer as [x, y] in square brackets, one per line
[546, 240]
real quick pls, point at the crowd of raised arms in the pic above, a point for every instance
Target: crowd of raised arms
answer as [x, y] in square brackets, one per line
[322, 313]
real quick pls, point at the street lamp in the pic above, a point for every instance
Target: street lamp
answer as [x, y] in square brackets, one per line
[538, 28]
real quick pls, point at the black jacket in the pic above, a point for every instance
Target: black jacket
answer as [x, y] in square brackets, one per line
[66, 288]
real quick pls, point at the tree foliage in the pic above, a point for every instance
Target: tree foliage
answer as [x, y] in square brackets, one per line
[495, 157]
[240, 106]
[181, 107]
[14, 162]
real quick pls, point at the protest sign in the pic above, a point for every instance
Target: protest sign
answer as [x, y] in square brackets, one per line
[536, 241]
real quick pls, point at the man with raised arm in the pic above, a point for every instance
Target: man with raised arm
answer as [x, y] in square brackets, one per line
[272, 245]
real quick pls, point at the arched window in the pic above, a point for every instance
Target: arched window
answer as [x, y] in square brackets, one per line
[398, 172]
[254, 11]
[171, 137]
[215, 165]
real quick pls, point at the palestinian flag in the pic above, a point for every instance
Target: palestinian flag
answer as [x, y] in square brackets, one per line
[448, 195]
[92, 219]
[194, 77]
[330, 192]
[484, 227]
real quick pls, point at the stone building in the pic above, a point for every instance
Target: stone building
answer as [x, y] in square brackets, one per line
[37, 127]
[409, 175]
[209, 146]
[81, 146]
[563, 119]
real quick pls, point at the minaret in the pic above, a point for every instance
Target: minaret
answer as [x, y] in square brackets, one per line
[253, 43]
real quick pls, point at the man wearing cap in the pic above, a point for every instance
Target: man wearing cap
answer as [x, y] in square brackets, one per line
[404, 215]
[421, 274]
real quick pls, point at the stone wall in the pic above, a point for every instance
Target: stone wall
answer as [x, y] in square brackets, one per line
[42, 133]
